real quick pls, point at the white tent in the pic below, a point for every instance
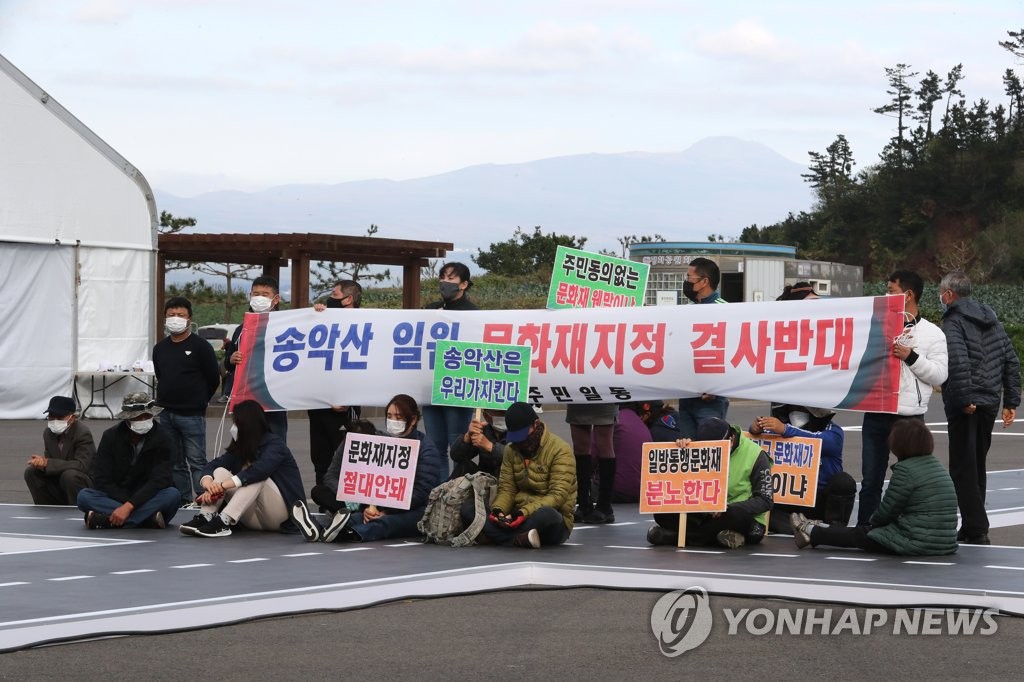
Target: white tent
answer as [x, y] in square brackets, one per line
[77, 251]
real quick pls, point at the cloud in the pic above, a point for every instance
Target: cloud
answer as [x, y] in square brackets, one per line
[746, 39]
[102, 12]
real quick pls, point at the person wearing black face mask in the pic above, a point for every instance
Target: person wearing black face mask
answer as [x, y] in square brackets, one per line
[701, 287]
[536, 486]
[445, 425]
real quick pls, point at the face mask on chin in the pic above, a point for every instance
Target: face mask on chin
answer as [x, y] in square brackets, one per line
[141, 427]
[450, 290]
[57, 426]
[176, 325]
[261, 304]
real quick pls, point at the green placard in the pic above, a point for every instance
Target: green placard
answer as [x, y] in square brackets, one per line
[486, 375]
[581, 279]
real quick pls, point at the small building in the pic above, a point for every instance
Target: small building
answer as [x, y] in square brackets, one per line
[750, 272]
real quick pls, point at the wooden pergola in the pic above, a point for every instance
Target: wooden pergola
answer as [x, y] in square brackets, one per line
[275, 251]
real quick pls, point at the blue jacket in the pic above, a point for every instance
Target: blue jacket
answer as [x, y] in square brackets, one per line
[429, 466]
[832, 439]
[274, 461]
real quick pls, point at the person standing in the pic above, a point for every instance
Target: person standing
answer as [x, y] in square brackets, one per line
[444, 424]
[327, 425]
[921, 349]
[593, 426]
[56, 476]
[983, 367]
[701, 287]
[187, 377]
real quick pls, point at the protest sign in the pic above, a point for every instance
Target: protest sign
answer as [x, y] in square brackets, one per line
[581, 279]
[674, 479]
[795, 463]
[485, 375]
[378, 470]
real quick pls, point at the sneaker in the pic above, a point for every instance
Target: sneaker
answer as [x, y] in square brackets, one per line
[310, 529]
[579, 514]
[657, 535]
[961, 535]
[336, 525]
[198, 521]
[981, 539]
[157, 521]
[215, 528]
[802, 527]
[190, 505]
[731, 539]
[530, 539]
[95, 520]
[598, 516]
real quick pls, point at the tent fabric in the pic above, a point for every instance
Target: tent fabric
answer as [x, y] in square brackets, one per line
[37, 304]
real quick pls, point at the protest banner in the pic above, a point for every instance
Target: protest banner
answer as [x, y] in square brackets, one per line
[795, 463]
[833, 353]
[581, 279]
[378, 470]
[483, 375]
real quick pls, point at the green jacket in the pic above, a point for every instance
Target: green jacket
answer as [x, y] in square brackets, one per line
[549, 480]
[917, 515]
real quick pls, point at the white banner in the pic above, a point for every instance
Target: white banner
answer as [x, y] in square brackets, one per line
[824, 353]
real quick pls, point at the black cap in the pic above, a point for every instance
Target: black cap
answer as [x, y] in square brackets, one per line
[61, 406]
[519, 417]
[713, 428]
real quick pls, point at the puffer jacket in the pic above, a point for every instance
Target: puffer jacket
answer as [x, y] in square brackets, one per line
[917, 515]
[548, 481]
[982, 362]
[924, 370]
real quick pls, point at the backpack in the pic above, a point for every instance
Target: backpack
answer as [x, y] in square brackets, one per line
[442, 521]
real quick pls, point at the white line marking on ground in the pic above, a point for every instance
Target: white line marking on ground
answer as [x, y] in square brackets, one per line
[572, 544]
[298, 554]
[850, 558]
[34, 518]
[353, 549]
[406, 544]
[622, 523]
[1007, 568]
[13, 584]
[191, 565]
[781, 556]
[247, 561]
[137, 570]
[71, 577]
[701, 551]
[931, 563]
[625, 547]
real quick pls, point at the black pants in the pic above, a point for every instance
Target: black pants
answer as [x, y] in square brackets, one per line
[325, 436]
[703, 529]
[56, 489]
[833, 504]
[970, 436]
[842, 536]
[547, 520]
[324, 498]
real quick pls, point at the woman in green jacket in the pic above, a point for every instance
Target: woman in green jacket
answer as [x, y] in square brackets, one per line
[917, 515]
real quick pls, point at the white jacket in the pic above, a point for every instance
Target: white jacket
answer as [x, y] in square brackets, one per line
[929, 371]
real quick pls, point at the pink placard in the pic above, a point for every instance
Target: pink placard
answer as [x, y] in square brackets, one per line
[378, 470]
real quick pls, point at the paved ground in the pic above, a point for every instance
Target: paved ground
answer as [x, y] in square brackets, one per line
[549, 634]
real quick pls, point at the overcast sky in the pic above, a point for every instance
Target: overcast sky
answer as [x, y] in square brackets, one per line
[245, 94]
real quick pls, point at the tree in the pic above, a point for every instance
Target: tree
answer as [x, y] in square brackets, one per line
[230, 272]
[328, 273]
[899, 108]
[628, 240]
[831, 173]
[953, 78]
[1015, 92]
[1016, 45]
[524, 253]
[927, 95]
[169, 224]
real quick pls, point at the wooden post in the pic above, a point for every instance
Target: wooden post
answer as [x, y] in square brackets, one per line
[681, 542]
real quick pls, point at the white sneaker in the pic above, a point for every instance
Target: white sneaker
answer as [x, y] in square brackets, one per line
[336, 525]
[802, 527]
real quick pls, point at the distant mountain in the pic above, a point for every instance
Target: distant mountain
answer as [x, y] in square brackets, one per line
[719, 185]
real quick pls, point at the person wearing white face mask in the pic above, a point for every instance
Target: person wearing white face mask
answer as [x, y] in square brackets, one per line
[264, 297]
[56, 476]
[187, 377]
[384, 523]
[133, 486]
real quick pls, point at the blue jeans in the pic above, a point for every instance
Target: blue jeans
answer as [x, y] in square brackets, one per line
[444, 425]
[693, 411]
[165, 501]
[874, 461]
[400, 525]
[189, 436]
[548, 521]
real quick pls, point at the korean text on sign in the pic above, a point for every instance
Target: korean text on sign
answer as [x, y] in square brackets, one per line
[480, 374]
[378, 470]
[581, 279]
[683, 480]
[795, 463]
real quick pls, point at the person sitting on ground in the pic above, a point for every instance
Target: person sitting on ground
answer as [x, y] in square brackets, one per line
[837, 490]
[628, 437]
[254, 483]
[749, 496]
[132, 481]
[917, 514]
[57, 476]
[385, 523]
[325, 494]
[482, 447]
[536, 486]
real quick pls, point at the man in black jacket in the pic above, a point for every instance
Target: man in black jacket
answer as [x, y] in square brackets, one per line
[133, 483]
[65, 467]
[983, 367]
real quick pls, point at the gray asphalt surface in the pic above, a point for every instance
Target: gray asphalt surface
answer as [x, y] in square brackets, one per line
[520, 634]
